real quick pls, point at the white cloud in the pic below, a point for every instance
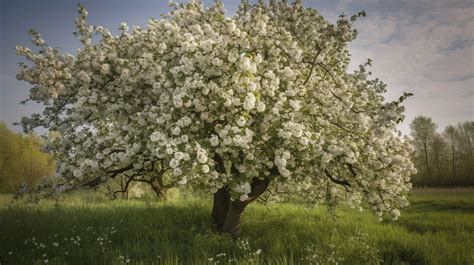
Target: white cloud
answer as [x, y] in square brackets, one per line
[453, 65]
[423, 47]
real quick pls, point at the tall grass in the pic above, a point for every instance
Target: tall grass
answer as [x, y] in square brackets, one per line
[86, 229]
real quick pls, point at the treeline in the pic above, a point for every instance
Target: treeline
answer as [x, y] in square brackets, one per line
[21, 160]
[443, 158]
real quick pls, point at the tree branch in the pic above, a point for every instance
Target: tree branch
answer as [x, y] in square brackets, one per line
[352, 170]
[312, 67]
[258, 186]
[342, 182]
[124, 188]
[339, 126]
[114, 173]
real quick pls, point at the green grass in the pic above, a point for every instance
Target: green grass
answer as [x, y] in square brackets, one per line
[438, 228]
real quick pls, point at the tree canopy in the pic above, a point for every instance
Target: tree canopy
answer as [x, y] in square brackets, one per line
[231, 105]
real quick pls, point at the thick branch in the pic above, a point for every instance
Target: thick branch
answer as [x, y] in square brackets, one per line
[351, 169]
[259, 186]
[220, 163]
[115, 151]
[354, 173]
[120, 170]
[342, 182]
[114, 173]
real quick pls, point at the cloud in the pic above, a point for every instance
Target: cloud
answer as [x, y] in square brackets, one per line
[452, 65]
[425, 47]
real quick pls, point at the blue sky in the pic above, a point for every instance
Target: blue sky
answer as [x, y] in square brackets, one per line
[421, 46]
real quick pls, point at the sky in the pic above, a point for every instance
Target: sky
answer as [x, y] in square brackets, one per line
[425, 47]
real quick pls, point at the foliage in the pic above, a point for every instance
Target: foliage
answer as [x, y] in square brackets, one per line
[79, 230]
[445, 158]
[22, 163]
[223, 102]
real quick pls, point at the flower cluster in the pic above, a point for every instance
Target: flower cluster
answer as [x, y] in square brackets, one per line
[217, 101]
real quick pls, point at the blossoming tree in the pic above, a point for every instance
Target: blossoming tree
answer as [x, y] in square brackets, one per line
[230, 105]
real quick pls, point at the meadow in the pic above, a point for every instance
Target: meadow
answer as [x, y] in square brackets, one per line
[438, 228]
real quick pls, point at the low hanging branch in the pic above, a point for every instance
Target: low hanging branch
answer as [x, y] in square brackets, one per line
[113, 173]
[342, 182]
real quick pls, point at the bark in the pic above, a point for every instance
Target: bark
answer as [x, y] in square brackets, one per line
[425, 145]
[233, 218]
[124, 187]
[453, 151]
[438, 164]
[227, 214]
[470, 154]
[220, 206]
[159, 189]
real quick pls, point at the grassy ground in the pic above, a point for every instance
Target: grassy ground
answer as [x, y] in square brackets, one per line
[437, 229]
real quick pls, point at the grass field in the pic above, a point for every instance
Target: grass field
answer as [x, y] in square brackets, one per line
[438, 228]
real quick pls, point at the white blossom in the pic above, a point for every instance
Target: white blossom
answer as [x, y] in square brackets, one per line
[205, 169]
[84, 77]
[214, 140]
[249, 102]
[194, 91]
[104, 69]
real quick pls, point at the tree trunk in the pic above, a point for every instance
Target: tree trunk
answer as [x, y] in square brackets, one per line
[220, 206]
[428, 170]
[438, 164]
[233, 218]
[159, 189]
[227, 213]
[454, 154]
[122, 186]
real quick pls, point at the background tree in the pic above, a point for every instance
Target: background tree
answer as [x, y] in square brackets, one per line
[21, 161]
[453, 137]
[422, 131]
[450, 155]
[438, 147]
[228, 105]
[466, 148]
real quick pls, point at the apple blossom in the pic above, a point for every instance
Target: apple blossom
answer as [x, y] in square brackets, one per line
[232, 105]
